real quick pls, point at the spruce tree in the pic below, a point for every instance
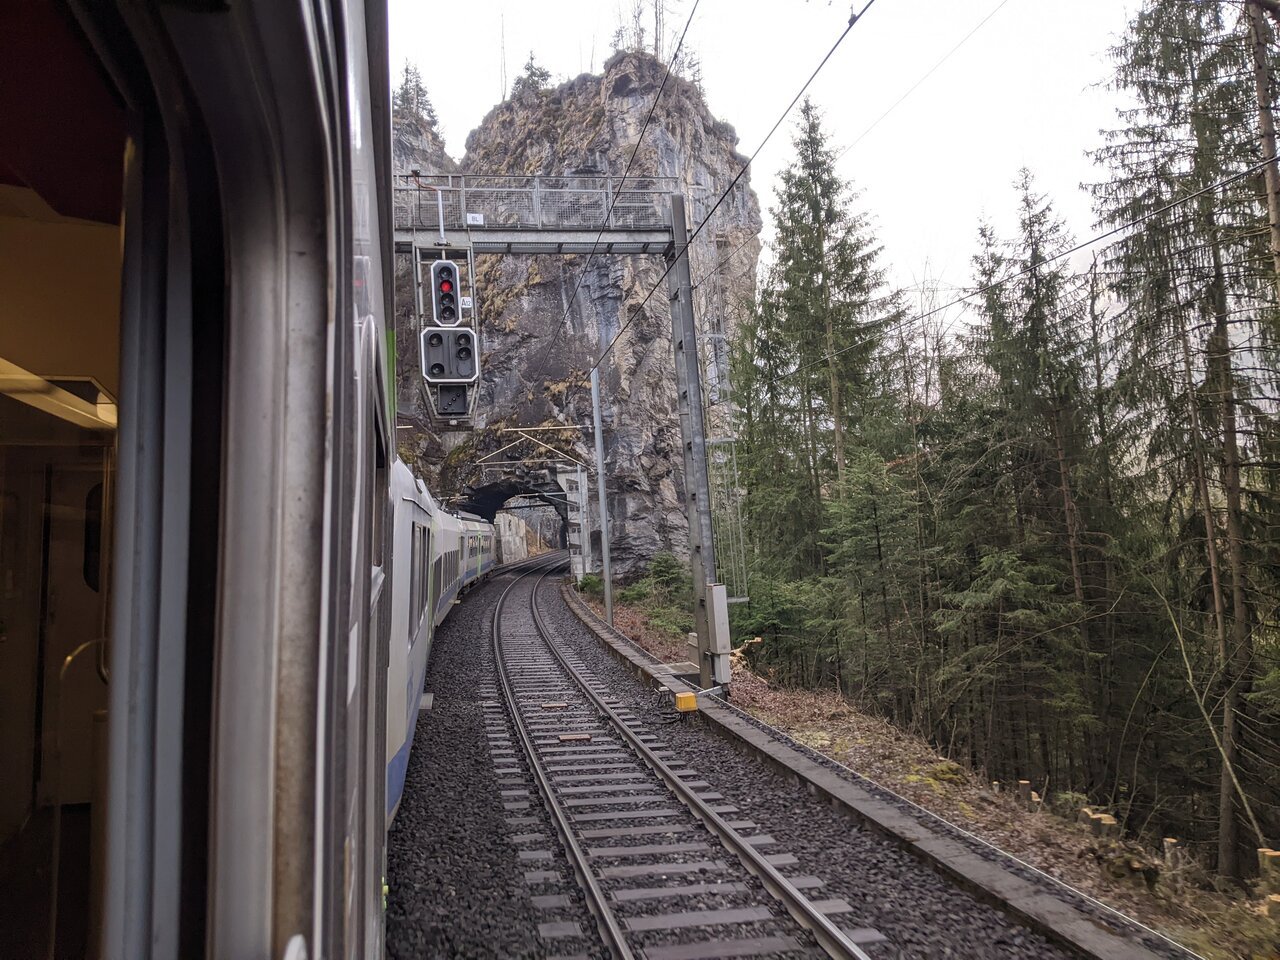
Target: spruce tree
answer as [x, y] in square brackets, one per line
[410, 99]
[1193, 294]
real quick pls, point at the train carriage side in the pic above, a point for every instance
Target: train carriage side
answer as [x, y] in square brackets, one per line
[411, 628]
[482, 550]
[447, 563]
[196, 433]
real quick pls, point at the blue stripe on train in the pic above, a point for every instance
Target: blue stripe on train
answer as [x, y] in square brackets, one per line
[396, 770]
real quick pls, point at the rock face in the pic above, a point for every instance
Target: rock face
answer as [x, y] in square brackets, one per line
[539, 339]
[416, 145]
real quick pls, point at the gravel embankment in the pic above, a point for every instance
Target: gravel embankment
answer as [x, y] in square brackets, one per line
[919, 911]
[1098, 912]
[460, 888]
[457, 884]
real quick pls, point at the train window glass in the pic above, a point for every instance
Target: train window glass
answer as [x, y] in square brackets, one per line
[415, 594]
[415, 573]
[424, 586]
[426, 559]
[379, 507]
[60, 375]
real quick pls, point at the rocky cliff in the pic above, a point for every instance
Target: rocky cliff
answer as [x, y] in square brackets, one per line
[416, 143]
[539, 339]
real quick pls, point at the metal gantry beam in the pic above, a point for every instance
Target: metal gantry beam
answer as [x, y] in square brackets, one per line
[529, 241]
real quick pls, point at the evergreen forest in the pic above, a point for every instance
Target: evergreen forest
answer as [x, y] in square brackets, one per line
[1038, 523]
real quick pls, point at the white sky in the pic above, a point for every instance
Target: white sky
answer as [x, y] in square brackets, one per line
[1024, 90]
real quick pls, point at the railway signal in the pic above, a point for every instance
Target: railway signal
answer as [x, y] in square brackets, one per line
[449, 355]
[452, 400]
[444, 293]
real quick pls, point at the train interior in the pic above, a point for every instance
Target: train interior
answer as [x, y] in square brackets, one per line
[61, 167]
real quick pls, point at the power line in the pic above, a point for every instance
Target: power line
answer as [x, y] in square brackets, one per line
[1047, 260]
[617, 191]
[853, 19]
[926, 76]
[912, 89]
[723, 263]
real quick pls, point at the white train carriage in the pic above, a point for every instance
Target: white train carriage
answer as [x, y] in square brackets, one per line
[436, 556]
[416, 542]
[478, 547]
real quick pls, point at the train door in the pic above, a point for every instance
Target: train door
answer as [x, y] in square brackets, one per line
[54, 582]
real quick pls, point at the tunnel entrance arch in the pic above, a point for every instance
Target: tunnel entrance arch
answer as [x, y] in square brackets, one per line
[530, 468]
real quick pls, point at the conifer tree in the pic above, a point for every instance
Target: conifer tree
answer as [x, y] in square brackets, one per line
[410, 99]
[534, 80]
[1047, 544]
[1191, 288]
[830, 292]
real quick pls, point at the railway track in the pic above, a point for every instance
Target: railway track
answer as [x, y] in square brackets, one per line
[664, 867]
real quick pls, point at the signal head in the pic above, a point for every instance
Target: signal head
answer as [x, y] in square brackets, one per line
[444, 292]
[450, 355]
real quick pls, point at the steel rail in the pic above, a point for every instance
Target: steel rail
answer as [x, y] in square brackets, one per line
[830, 937]
[597, 901]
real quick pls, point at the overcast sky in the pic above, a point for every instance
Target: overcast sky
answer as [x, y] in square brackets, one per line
[1027, 89]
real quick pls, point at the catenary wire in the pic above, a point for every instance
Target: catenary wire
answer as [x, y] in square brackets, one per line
[930, 72]
[912, 89]
[853, 19]
[1137, 221]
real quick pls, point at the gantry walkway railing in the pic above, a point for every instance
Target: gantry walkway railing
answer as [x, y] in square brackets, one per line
[534, 214]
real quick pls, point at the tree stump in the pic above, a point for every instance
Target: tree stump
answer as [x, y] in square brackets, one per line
[1268, 870]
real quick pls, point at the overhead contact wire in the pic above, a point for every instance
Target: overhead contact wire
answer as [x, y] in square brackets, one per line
[1136, 221]
[929, 73]
[685, 244]
[910, 90]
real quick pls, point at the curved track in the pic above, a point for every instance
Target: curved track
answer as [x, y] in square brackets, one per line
[601, 775]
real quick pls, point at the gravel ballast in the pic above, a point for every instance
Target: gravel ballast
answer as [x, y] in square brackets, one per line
[461, 880]
[458, 887]
[1079, 918]
[920, 912]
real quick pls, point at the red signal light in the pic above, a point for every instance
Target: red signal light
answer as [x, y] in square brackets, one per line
[446, 286]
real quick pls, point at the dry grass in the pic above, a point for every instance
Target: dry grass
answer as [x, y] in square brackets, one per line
[1216, 925]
